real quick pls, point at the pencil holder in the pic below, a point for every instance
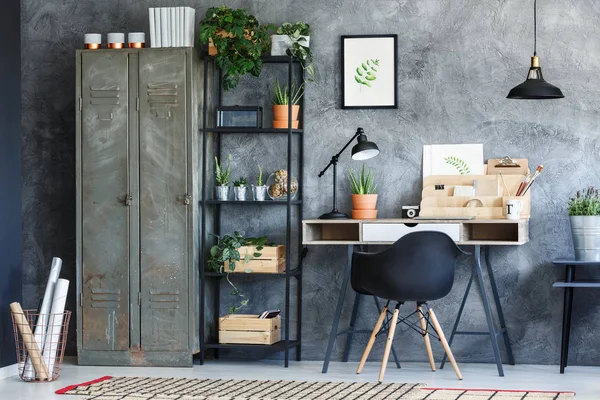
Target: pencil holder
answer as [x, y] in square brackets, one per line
[51, 344]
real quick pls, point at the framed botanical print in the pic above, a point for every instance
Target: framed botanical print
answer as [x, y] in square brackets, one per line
[369, 71]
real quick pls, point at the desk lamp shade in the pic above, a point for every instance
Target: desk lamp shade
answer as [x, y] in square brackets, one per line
[364, 149]
[535, 87]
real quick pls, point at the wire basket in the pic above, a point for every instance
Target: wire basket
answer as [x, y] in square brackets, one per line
[49, 336]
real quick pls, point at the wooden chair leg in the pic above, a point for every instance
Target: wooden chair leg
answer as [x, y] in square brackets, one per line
[388, 344]
[426, 337]
[367, 351]
[440, 333]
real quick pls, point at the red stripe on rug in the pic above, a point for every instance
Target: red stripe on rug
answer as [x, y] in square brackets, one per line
[66, 389]
[499, 390]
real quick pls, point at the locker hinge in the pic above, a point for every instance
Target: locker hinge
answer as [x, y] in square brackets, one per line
[137, 104]
[139, 298]
[80, 104]
[80, 299]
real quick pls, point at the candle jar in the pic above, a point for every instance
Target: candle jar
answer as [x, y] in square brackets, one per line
[92, 41]
[116, 40]
[136, 40]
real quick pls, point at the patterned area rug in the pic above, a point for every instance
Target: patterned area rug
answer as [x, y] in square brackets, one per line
[129, 388]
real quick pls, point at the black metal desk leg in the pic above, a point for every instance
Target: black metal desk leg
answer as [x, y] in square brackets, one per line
[488, 311]
[338, 310]
[567, 309]
[511, 359]
[396, 359]
[352, 326]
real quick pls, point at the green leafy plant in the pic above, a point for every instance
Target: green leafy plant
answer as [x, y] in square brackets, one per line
[300, 48]
[585, 202]
[222, 175]
[283, 96]
[363, 183]
[259, 179]
[240, 41]
[241, 182]
[459, 164]
[227, 250]
[366, 72]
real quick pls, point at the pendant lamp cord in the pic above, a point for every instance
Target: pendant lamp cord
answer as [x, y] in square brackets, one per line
[534, 27]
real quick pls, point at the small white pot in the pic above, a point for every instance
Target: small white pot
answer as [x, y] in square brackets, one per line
[222, 192]
[240, 193]
[280, 44]
[259, 192]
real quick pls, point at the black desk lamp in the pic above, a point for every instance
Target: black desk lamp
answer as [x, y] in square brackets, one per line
[363, 150]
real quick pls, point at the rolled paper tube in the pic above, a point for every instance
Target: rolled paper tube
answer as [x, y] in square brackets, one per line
[55, 324]
[30, 344]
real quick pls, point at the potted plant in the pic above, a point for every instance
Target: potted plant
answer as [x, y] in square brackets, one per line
[239, 189]
[222, 178]
[584, 212]
[294, 39]
[364, 197]
[260, 190]
[239, 42]
[227, 250]
[282, 97]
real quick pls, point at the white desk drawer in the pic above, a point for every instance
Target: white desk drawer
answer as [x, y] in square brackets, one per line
[392, 232]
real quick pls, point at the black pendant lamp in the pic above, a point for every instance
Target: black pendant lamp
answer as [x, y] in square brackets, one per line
[535, 87]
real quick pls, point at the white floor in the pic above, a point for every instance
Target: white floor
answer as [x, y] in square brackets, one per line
[585, 381]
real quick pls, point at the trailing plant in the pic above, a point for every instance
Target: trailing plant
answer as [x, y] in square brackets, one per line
[259, 179]
[300, 48]
[240, 182]
[586, 202]
[366, 72]
[227, 250]
[240, 41]
[222, 175]
[363, 183]
[461, 166]
[283, 96]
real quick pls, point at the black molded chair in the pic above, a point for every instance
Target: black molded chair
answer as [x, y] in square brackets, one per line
[418, 267]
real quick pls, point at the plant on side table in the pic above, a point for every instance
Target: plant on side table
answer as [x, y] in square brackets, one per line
[584, 212]
[239, 42]
[260, 190]
[282, 97]
[226, 252]
[364, 197]
[222, 177]
[239, 189]
[294, 39]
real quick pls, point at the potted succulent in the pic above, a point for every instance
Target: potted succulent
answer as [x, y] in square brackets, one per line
[364, 196]
[294, 39]
[260, 190]
[238, 39]
[281, 98]
[239, 189]
[584, 212]
[222, 178]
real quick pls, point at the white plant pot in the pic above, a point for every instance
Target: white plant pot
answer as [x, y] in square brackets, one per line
[586, 237]
[259, 192]
[240, 193]
[280, 44]
[222, 192]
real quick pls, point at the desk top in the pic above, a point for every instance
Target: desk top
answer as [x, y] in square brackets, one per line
[488, 232]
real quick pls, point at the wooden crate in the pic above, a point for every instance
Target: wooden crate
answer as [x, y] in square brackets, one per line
[249, 329]
[259, 266]
[276, 252]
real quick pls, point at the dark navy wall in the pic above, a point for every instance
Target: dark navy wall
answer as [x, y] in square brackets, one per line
[10, 173]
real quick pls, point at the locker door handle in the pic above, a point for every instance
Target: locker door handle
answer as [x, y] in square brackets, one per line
[126, 199]
[186, 199]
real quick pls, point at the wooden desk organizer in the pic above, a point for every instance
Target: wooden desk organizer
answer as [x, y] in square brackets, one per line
[442, 203]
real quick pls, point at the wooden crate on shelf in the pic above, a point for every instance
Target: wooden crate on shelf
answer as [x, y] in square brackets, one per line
[266, 252]
[271, 260]
[249, 329]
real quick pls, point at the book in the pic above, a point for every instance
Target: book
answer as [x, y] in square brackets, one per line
[180, 30]
[173, 17]
[164, 27]
[152, 27]
[190, 19]
[157, 27]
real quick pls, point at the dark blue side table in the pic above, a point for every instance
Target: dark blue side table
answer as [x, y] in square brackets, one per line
[569, 284]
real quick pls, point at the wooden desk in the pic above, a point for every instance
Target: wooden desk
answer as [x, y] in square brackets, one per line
[479, 233]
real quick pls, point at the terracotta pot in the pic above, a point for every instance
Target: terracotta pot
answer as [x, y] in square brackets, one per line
[280, 112]
[284, 124]
[364, 214]
[364, 201]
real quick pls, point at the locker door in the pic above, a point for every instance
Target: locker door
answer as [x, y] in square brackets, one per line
[163, 212]
[104, 189]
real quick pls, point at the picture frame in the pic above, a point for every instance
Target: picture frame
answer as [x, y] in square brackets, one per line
[239, 116]
[369, 71]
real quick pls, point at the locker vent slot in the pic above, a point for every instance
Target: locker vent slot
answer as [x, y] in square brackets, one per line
[106, 95]
[164, 300]
[106, 298]
[163, 93]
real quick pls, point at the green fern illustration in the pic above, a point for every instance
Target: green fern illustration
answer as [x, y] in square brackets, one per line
[459, 164]
[366, 72]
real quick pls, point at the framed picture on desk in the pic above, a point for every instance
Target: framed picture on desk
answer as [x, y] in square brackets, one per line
[369, 70]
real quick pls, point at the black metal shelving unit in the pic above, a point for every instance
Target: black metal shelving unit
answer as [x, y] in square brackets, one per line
[293, 267]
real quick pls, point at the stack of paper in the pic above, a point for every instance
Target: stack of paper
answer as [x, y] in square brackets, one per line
[172, 26]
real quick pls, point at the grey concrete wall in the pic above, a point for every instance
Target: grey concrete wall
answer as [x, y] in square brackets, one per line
[457, 61]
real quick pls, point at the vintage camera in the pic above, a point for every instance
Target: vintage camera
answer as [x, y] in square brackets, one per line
[410, 211]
